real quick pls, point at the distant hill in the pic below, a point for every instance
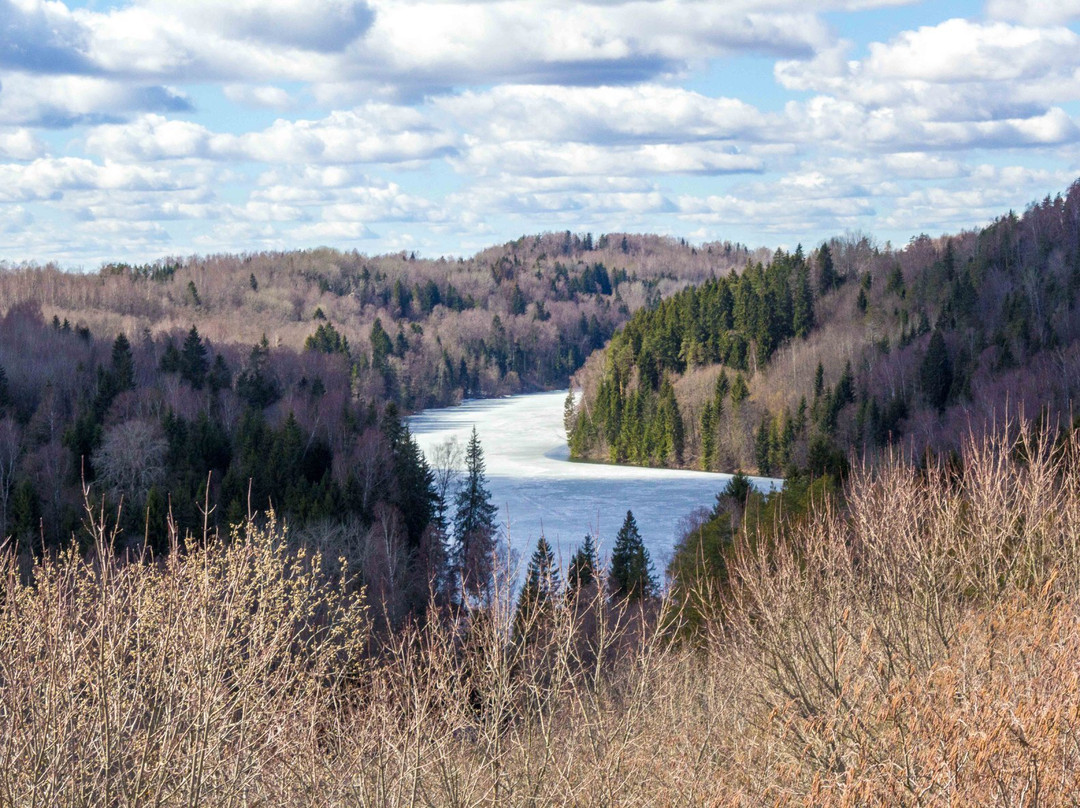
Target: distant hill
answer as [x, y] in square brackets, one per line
[795, 362]
[520, 316]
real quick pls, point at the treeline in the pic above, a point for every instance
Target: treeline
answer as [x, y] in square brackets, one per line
[522, 316]
[175, 436]
[794, 364]
[738, 321]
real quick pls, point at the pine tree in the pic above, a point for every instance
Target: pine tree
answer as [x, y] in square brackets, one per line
[193, 361]
[474, 526]
[708, 436]
[802, 319]
[255, 384]
[381, 345]
[123, 365]
[631, 577]
[935, 373]
[542, 585]
[829, 279]
[583, 566]
[740, 391]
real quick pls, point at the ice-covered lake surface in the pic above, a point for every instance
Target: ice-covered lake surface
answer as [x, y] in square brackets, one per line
[538, 489]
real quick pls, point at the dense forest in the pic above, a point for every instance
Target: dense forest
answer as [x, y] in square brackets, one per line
[184, 396]
[521, 316]
[798, 362]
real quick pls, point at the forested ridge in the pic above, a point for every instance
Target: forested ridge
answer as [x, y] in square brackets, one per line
[186, 395]
[795, 363]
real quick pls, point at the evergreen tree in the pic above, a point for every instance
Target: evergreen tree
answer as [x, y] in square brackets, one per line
[381, 345]
[736, 491]
[631, 577]
[740, 391]
[193, 361]
[708, 436]
[828, 280]
[802, 304]
[542, 585]
[583, 567]
[474, 526]
[935, 372]
[720, 392]
[123, 364]
[328, 340]
[255, 384]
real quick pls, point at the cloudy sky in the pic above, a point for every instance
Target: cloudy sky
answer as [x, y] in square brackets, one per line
[137, 129]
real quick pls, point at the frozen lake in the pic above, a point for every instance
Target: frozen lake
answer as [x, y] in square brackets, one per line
[538, 489]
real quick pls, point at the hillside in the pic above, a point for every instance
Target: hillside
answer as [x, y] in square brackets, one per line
[802, 360]
[238, 384]
[520, 316]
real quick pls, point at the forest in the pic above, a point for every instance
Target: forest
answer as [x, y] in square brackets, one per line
[798, 363]
[232, 578]
[186, 396]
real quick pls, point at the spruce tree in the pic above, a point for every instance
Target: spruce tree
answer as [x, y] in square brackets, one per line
[381, 345]
[708, 436]
[935, 373]
[474, 526]
[542, 585]
[123, 364]
[583, 565]
[740, 391]
[193, 361]
[828, 279]
[631, 577]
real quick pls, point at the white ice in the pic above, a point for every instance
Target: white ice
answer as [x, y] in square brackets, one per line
[538, 489]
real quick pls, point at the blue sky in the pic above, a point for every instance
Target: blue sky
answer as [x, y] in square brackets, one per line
[135, 130]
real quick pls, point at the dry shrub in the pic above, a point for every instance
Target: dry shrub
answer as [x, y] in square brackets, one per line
[921, 647]
[918, 646]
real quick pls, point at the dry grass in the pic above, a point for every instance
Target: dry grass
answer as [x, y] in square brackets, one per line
[921, 647]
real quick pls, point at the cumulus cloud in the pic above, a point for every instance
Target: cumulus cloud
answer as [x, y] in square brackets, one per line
[643, 114]
[262, 96]
[64, 101]
[536, 113]
[328, 25]
[50, 178]
[1035, 12]
[43, 37]
[376, 133]
[20, 144]
[540, 158]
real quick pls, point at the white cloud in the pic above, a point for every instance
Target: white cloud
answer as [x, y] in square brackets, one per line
[50, 178]
[646, 114]
[61, 101]
[376, 133]
[324, 26]
[20, 144]
[264, 96]
[539, 159]
[1035, 12]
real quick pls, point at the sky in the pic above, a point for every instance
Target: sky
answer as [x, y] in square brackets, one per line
[141, 129]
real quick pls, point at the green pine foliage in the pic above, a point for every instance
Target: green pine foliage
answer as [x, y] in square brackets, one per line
[475, 532]
[327, 340]
[584, 568]
[541, 589]
[631, 576]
